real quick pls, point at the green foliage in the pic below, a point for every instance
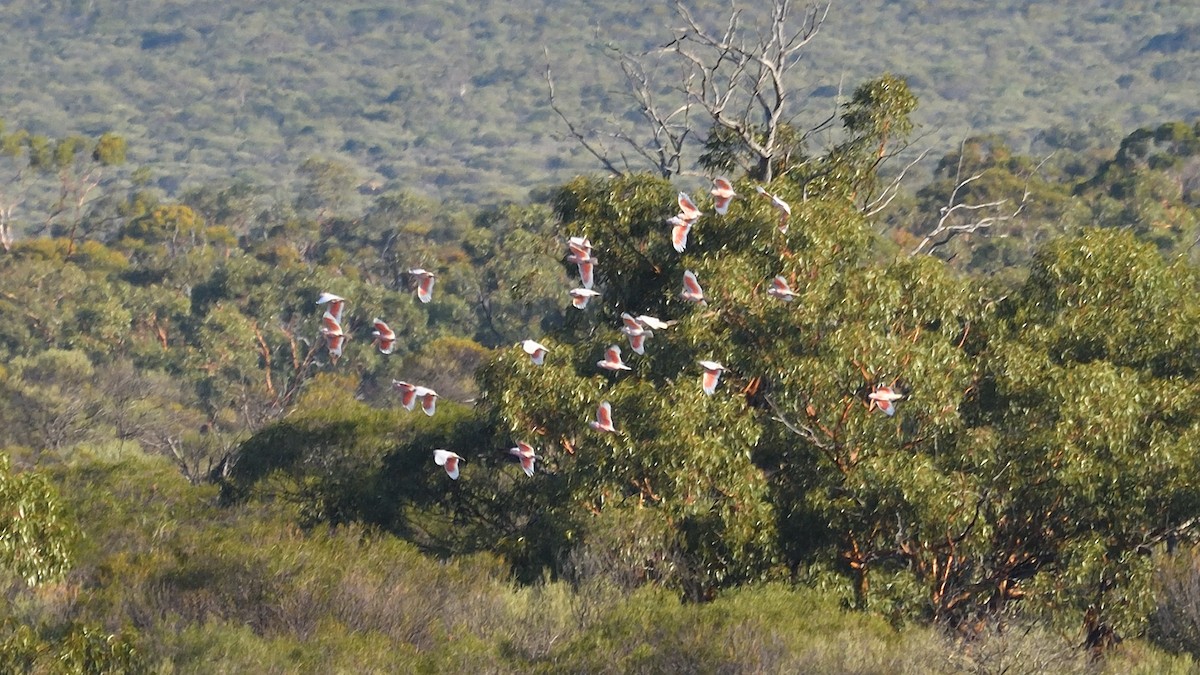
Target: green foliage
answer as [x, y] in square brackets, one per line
[1041, 456]
[82, 649]
[35, 535]
[1149, 186]
[323, 458]
[1081, 376]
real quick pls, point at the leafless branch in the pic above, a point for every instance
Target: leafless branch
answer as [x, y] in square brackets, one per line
[978, 216]
[825, 445]
[600, 152]
[9, 203]
[740, 84]
[889, 193]
[669, 126]
[727, 70]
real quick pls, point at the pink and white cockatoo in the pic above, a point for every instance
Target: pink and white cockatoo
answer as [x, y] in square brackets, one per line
[449, 460]
[722, 194]
[603, 421]
[691, 288]
[535, 350]
[526, 455]
[425, 280]
[383, 336]
[612, 359]
[780, 289]
[712, 374]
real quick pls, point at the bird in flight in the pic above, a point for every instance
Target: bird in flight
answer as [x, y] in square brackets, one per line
[335, 339]
[384, 337]
[679, 232]
[653, 323]
[408, 393]
[712, 374]
[884, 398]
[612, 359]
[581, 255]
[780, 289]
[428, 399]
[336, 304]
[535, 350]
[687, 208]
[722, 193]
[425, 280]
[449, 460]
[637, 333]
[525, 453]
[681, 223]
[603, 421]
[785, 210]
[691, 288]
[579, 245]
[580, 297]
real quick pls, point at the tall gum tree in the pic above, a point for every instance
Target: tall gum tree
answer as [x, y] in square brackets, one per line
[1037, 460]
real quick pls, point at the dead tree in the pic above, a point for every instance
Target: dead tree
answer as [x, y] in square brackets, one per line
[743, 85]
[13, 187]
[958, 217]
[619, 151]
[730, 83]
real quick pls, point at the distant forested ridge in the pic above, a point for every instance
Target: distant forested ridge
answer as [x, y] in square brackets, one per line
[448, 99]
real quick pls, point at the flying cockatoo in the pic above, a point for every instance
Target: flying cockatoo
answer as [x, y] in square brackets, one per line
[612, 359]
[679, 232]
[581, 255]
[425, 280]
[580, 297]
[780, 289]
[653, 323]
[535, 350]
[712, 374]
[691, 288]
[408, 393]
[525, 453]
[722, 193]
[637, 333]
[885, 398]
[335, 339]
[384, 337]
[587, 270]
[336, 304]
[428, 399]
[687, 208]
[449, 460]
[580, 246]
[603, 421]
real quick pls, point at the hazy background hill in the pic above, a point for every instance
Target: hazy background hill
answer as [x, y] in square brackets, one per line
[448, 98]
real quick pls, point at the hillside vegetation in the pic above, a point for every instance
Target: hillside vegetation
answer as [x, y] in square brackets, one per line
[946, 423]
[448, 99]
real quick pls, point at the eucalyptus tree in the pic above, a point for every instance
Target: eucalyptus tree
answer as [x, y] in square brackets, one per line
[1038, 456]
[36, 535]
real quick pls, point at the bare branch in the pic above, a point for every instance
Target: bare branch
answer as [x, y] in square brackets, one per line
[948, 225]
[740, 86]
[826, 445]
[889, 193]
[600, 153]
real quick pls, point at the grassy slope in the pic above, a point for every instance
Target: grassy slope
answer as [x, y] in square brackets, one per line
[448, 97]
[204, 589]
